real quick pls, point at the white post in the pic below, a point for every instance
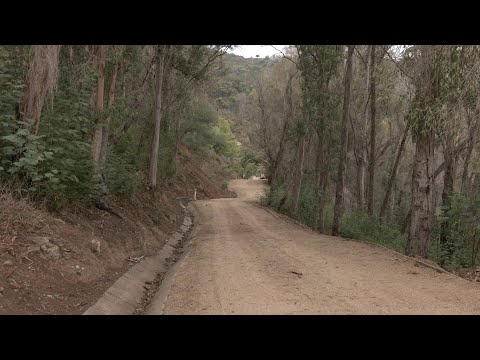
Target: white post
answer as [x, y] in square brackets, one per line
[195, 195]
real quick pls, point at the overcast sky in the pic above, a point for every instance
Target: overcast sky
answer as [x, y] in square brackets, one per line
[254, 50]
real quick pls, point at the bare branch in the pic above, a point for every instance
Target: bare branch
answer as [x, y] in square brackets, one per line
[283, 54]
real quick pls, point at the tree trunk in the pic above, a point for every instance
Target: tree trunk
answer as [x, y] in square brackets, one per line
[290, 183]
[363, 153]
[360, 183]
[445, 240]
[41, 80]
[106, 125]
[319, 174]
[393, 174]
[420, 226]
[157, 116]
[371, 162]
[321, 205]
[98, 51]
[339, 196]
[272, 178]
[298, 175]
[458, 150]
[466, 163]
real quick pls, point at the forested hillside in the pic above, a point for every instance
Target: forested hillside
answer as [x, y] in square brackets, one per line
[81, 123]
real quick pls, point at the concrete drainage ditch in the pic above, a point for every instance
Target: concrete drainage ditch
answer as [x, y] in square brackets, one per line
[131, 293]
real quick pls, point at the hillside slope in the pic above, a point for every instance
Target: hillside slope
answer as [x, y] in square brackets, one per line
[60, 263]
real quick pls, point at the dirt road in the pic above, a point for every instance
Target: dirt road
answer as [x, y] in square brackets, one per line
[246, 260]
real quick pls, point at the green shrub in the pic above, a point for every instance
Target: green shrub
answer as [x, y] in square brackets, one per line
[464, 219]
[354, 225]
[225, 185]
[361, 226]
[122, 177]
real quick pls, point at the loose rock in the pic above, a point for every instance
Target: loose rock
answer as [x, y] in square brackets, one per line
[95, 246]
[8, 263]
[33, 248]
[50, 251]
[41, 240]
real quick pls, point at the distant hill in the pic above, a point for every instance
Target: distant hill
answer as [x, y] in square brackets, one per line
[233, 76]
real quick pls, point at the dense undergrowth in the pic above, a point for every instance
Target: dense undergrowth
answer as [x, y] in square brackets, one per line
[358, 225]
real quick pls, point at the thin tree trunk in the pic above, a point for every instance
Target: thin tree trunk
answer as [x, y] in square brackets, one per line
[298, 175]
[290, 183]
[319, 174]
[70, 53]
[466, 163]
[157, 116]
[99, 54]
[321, 205]
[458, 150]
[445, 241]
[393, 174]
[371, 162]
[106, 125]
[339, 196]
[363, 153]
[359, 183]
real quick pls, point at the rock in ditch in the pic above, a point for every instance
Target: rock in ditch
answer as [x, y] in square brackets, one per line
[38, 243]
[50, 252]
[41, 240]
[95, 246]
[187, 221]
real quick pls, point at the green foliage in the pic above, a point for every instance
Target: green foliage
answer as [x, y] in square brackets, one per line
[225, 185]
[122, 177]
[463, 216]
[361, 226]
[423, 115]
[355, 224]
[234, 75]
[55, 164]
[198, 127]
[273, 195]
[225, 142]
[56, 168]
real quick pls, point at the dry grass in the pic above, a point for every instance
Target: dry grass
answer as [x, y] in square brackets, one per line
[17, 216]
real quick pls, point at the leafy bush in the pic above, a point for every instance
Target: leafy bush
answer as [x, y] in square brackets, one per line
[122, 177]
[225, 185]
[355, 225]
[273, 195]
[55, 164]
[361, 226]
[464, 232]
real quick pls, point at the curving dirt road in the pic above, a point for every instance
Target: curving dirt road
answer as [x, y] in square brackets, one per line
[245, 260]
